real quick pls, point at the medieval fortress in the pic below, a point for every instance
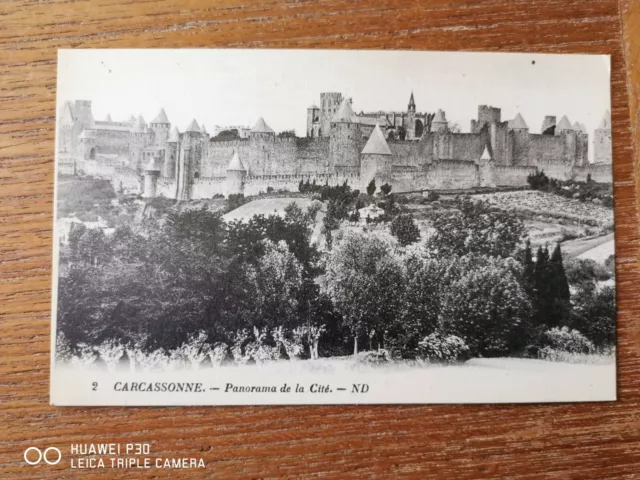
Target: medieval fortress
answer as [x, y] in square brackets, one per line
[408, 149]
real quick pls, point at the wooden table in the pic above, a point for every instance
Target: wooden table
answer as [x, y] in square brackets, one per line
[534, 441]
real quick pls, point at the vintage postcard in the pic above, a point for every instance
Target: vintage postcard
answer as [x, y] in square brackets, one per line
[238, 227]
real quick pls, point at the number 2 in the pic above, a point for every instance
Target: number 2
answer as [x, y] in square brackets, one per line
[95, 386]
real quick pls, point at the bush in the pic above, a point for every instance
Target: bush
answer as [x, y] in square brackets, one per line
[404, 228]
[566, 340]
[538, 181]
[373, 357]
[234, 201]
[443, 348]
[433, 196]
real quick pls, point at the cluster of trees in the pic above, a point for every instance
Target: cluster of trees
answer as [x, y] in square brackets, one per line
[262, 287]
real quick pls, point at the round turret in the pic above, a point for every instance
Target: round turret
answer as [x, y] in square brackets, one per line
[236, 173]
[151, 174]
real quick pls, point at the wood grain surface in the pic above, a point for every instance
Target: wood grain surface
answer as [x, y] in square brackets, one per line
[575, 441]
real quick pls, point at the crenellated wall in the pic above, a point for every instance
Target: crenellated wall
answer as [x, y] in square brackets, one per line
[600, 172]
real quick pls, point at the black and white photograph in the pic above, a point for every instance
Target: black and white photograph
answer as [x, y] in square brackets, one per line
[263, 227]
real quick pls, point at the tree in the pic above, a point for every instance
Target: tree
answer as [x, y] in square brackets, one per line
[404, 228]
[475, 227]
[277, 281]
[364, 280]
[420, 304]
[371, 188]
[551, 302]
[385, 189]
[487, 307]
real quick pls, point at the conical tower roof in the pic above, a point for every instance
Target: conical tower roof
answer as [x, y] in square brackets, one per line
[261, 127]
[139, 124]
[564, 124]
[518, 122]
[193, 127]
[235, 165]
[440, 117]
[412, 102]
[161, 117]
[579, 127]
[152, 166]
[174, 136]
[203, 129]
[376, 145]
[605, 124]
[345, 112]
[132, 119]
[66, 114]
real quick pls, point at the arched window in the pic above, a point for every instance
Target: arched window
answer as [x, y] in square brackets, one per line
[419, 128]
[196, 175]
[92, 153]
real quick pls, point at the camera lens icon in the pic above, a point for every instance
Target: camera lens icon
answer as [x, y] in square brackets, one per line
[38, 456]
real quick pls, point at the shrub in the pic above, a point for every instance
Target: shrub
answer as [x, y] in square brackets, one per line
[218, 354]
[443, 348]
[234, 201]
[433, 196]
[566, 340]
[404, 228]
[373, 357]
[259, 350]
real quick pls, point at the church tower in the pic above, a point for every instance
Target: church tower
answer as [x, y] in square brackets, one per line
[410, 126]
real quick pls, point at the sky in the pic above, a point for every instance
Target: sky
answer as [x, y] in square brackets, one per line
[235, 87]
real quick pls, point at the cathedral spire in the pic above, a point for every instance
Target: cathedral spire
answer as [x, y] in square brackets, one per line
[412, 103]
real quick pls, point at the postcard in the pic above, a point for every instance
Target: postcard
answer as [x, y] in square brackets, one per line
[264, 227]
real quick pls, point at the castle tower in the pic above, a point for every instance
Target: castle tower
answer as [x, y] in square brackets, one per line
[582, 143]
[138, 142]
[602, 150]
[549, 125]
[66, 131]
[236, 173]
[375, 160]
[519, 140]
[171, 153]
[151, 174]
[83, 115]
[313, 116]
[346, 138]
[486, 169]
[262, 142]
[329, 104]
[188, 159]
[262, 131]
[160, 126]
[565, 130]
[439, 122]
[87, 145]
[107, 118]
